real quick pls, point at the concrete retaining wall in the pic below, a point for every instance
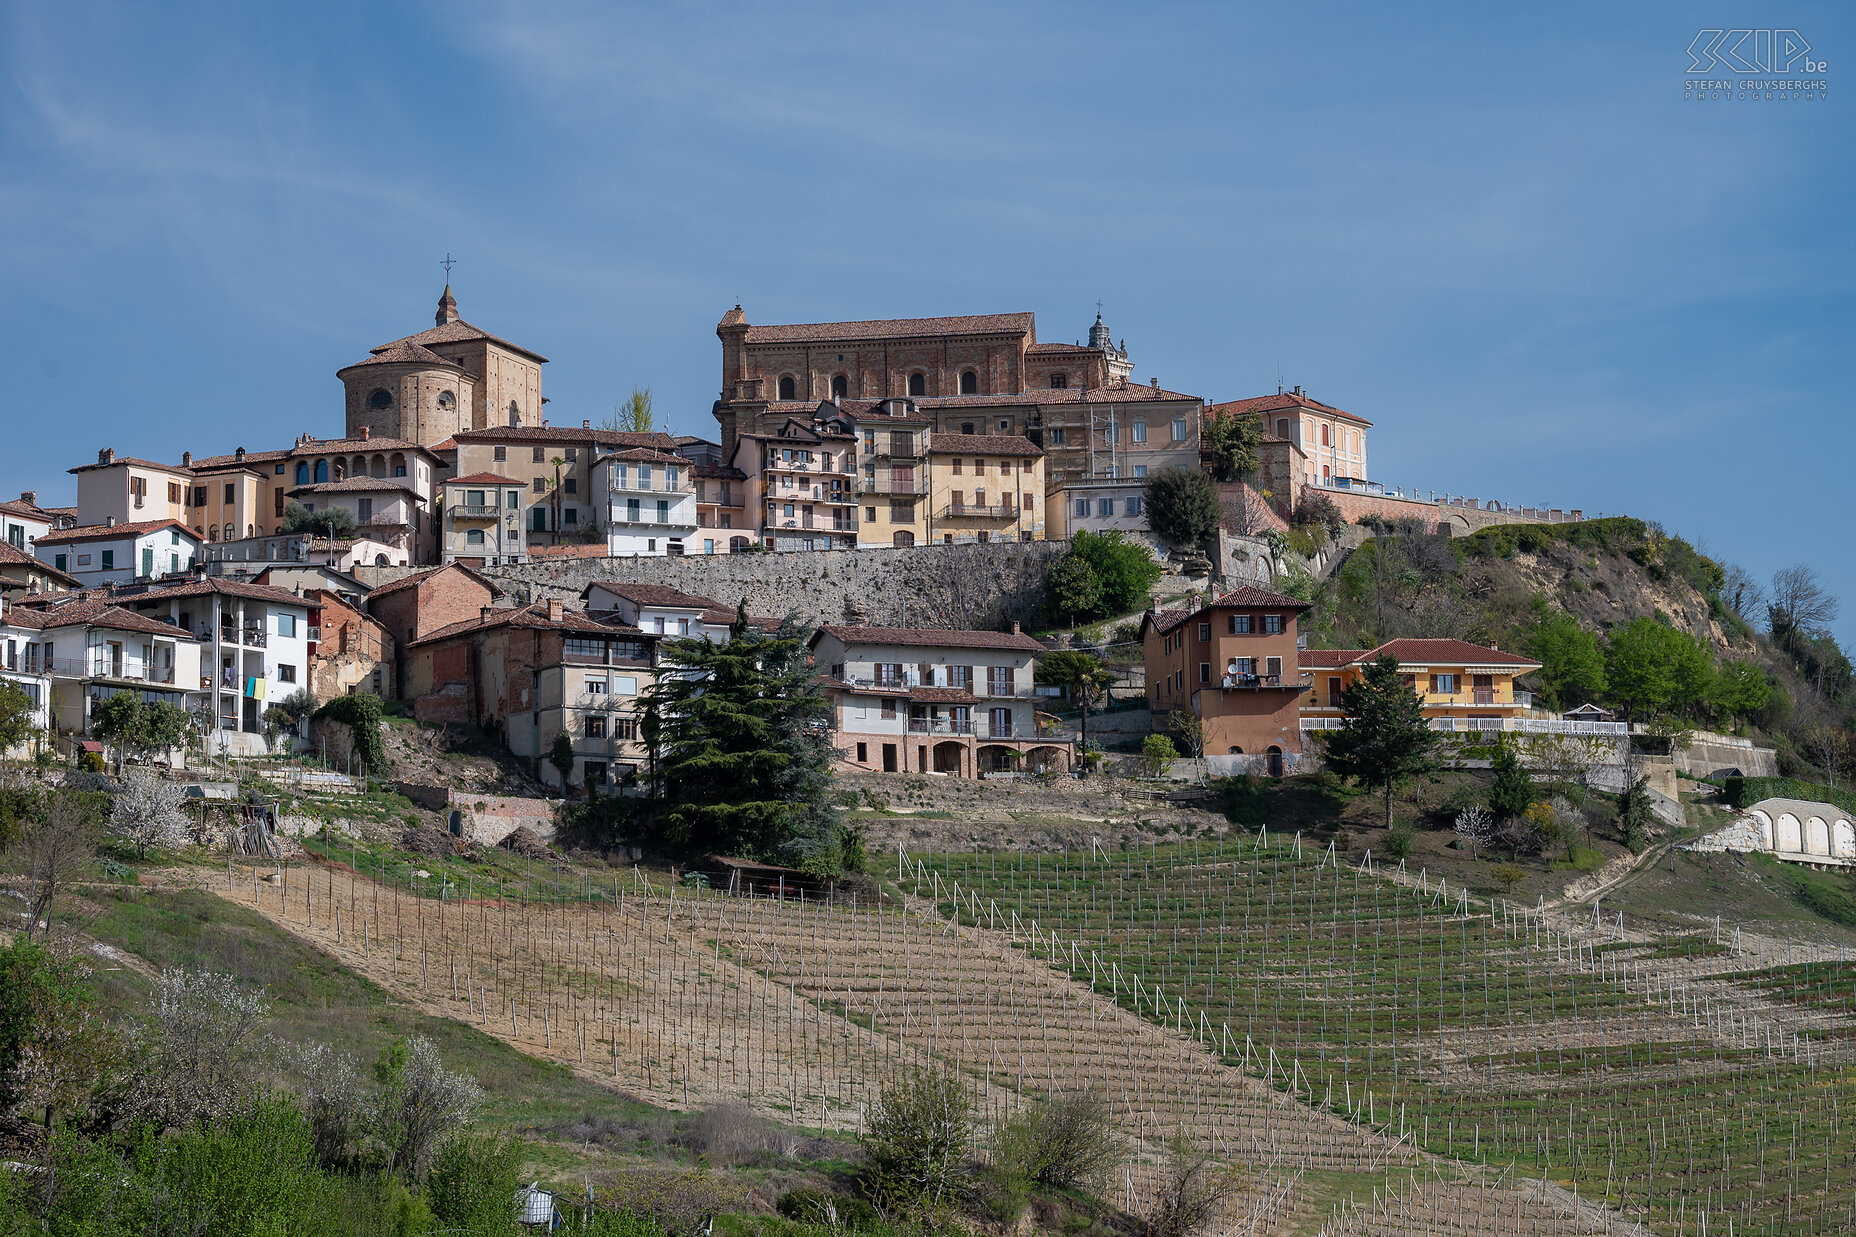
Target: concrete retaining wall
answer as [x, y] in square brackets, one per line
[1711, 753]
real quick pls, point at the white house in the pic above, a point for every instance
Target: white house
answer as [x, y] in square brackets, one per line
[390, 510]
[254, 642]
[658, 609]
[648, 501]
[926, 700]
[113, 552]
[23, 522]
[84, 651]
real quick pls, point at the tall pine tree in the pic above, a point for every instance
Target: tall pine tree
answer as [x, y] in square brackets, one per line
[1384, 738]
[741, 732]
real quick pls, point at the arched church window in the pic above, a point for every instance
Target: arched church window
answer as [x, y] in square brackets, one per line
[447, 401]
[1059, 382]
[515, 413]
[786, 386]
[918, 383]
[840, 386]
[381, 398]
[969, 383]
[322, 471]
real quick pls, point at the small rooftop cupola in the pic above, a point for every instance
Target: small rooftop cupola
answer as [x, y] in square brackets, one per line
[447, 309]
[1098, 334]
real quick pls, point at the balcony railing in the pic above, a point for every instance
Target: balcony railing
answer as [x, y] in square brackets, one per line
[908, 487]
[1480, 696]
[912, 679]
[981, 511]
[470, 511]
[647, 519]
[979, 728]
[124, 671]
[630, 485]
[1493, 725]
[250, 637]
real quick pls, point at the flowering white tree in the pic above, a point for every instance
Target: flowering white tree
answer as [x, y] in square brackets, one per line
[1475, 826]
[149, 811]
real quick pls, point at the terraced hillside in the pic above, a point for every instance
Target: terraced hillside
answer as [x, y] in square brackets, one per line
[686, 997]
[1680, 1081]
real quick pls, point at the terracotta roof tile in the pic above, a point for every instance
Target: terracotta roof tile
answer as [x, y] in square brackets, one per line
[934, 637]
[655, 595]
[1132, 393]
[1250, 595]
[106, 532]
[457, 333]
[535, 616]
[894, 328]
[216, 584]
[401, 352]
[1281, 400]
[130, 459]
[646, 455]
[983, 444]
[355, 484]
[553, 433]
[482, 478]
[1419, 652]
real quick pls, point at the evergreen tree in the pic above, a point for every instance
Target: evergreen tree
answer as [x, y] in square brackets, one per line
[1634, 814]
[742, 737]
[1235, 444]
[1513, 790]
[1181, 505]
[1384, 738]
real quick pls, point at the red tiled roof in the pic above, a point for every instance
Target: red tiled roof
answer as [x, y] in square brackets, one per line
[401, 352]
[448, 444]
[357, 483]
[11, 554]
[656, 595]
[645, 455]
[1419, 652]
[26, 511]
[457, 333]
[216, 463]
[130, 459]
[943, 695]
[983, 444]
[894, 328]
[218, 584]
[1166, 620]
[1250, 595]
[1070, 348]
[482, 478]
[535, 616]
[719, 472]
[933, 637]
[1282, 400]
[106, 532]
[408, 581]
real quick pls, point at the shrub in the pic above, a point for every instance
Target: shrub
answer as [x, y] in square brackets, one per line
[1508, 876]
[361, 712]
[1398, 840]
[1157, 755]
[1065, 1142]
[1190, 1195]
[917, 1135]
[471, 1182]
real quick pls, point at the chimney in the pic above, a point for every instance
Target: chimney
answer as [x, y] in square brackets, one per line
[109, 521]
[1155, 382]
[554, 609]
[106, 456]
[186, 459]
[1015, 630]
[483, 615]
[366, 431]
[29, 497]
[239, 455]
[586, 425]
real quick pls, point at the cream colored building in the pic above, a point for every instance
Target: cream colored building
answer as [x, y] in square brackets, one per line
[483, 520]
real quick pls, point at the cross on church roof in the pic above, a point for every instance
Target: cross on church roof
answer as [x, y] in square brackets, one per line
[450, 262]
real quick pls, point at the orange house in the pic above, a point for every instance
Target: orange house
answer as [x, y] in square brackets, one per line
[1463, 686]
[1232, 662]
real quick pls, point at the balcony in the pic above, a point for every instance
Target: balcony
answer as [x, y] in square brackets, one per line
[1480, 697]
[979, 728]
[250, 637]
[626, 485]
[912, 679]
[468, 511]
[120, 669]
[913, 487]
[980, 511]
[646, 519]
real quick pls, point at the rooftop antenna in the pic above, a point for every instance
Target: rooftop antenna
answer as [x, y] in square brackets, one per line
[1279, 373]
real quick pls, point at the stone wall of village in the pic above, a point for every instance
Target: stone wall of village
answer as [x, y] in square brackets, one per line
[975, 586]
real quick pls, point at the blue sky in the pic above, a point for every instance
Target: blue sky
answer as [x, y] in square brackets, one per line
[1503, 237]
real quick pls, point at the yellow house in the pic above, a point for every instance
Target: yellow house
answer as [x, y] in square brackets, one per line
[1464, 686]
[985, 487]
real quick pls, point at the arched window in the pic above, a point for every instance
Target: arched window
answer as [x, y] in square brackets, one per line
[1282, 428]
[918, 383]
[381, 398]
[786, 386]
[840, 386]
[322, 471]
[969, 383]
[1059, 382]
[380, 560]
[341, 470]
[1324, 474]
[302, 472]
[447, 401]
[515, 413]
[903, 538]
[1324, 435]
[1236, 751]
[359, 467]
[212, 532]
[474, 537]
[737, 544]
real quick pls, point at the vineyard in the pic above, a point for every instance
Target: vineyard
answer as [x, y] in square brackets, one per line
[1684, 1084]
[686, 997]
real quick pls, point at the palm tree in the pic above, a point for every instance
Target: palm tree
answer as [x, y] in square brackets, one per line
[1081, 676]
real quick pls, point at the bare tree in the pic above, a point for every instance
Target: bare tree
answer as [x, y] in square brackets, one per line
[1800, 604]
[1740, 591]
[1189, 728]
[1189, 1197]
[1247, 514]
[149, 811]
[1829, 745]
[55, 849]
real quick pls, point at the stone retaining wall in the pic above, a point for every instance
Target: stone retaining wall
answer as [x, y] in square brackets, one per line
[980, 586]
